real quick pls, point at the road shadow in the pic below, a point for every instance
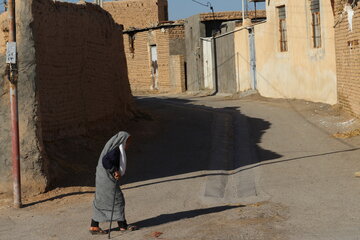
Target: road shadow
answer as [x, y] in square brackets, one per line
[56, 198]
[172, 141]
[179, 140]
[173, 217]
[172, 137]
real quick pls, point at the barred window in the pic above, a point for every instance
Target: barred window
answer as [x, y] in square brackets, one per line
[282, 29]
[316, 26]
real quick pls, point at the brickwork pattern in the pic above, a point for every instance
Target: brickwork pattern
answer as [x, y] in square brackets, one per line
[72, 83]
[80, 68]
[347, 46]
[177, 32]
[137, 13]
[162, 40]
[177, 73]
[231, 15]
[139, 60]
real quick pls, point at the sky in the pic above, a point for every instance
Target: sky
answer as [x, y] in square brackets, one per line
[179, 9]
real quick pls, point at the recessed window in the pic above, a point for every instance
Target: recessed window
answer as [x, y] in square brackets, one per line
[315, 23]
[282, 29]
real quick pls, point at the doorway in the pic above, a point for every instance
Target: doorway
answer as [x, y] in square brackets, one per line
[154, 67]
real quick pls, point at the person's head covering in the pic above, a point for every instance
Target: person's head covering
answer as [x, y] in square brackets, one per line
[115, 142]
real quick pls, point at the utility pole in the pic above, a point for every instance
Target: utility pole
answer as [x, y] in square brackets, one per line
[12, 75]
[243, 11]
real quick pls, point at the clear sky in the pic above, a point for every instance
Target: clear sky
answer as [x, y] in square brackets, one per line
[184, 8]
[179, 9]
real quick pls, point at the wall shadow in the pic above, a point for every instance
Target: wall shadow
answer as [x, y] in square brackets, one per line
[56, 197]
[173, 137]
[179, 141]
[173, 217]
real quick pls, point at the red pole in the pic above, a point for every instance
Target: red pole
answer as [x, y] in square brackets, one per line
[15, 146]
[14, 111]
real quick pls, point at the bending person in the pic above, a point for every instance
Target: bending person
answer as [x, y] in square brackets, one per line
[111, 167]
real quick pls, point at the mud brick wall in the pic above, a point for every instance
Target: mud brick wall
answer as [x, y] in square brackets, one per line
[138, 13]
[177, 73]
[139, 59]
[231, 15]
[347, 44]
[72, 83]
[177, 40]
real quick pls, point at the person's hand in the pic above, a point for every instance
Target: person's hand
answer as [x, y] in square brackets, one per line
[117, 175]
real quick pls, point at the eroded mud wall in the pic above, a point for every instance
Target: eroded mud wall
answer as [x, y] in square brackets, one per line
[73, 87]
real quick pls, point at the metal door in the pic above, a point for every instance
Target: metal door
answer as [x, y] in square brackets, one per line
[252, 58]
[208, 63]
[154, 66]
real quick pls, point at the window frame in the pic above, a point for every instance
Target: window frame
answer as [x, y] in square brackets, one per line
[283, 40]
[316, 24]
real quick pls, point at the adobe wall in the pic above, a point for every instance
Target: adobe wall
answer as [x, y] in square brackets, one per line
[138, 13]
[347, 58]
[73, 86]
[302, 72]
[139, 60]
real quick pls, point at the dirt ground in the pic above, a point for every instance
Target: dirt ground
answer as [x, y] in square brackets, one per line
[172, 205]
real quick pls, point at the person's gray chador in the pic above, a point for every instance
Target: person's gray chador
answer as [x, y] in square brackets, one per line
[105, 185]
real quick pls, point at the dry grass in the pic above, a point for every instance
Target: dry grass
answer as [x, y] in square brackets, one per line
[349, 134]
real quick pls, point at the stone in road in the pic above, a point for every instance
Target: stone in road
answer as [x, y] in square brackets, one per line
[210, 168]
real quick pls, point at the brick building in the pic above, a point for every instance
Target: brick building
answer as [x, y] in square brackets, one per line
[155, 58]
[138, 13]
[347, 35]
[154, 47]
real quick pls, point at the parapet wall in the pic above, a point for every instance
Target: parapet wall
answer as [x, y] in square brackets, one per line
[72, 83]
[138, 13]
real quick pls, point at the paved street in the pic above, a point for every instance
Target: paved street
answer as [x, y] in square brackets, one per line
[219, 168]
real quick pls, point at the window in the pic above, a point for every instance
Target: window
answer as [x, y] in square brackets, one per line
[282, 29]
[131, 42]
[316, 27]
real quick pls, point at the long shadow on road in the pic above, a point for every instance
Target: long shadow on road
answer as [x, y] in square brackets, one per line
[172, 217]
[177, 138]
[180, 140]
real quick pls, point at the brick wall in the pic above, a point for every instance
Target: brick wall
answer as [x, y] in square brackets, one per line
[139, 60]
[72, 85]
[138, 13]
[142, 15]
[177, 32]
[231, 15]
[177, 73]
[348, 58]
[168, 41]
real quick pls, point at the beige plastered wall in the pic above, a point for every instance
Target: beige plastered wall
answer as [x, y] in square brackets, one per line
[242, 59]
[303, 72]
